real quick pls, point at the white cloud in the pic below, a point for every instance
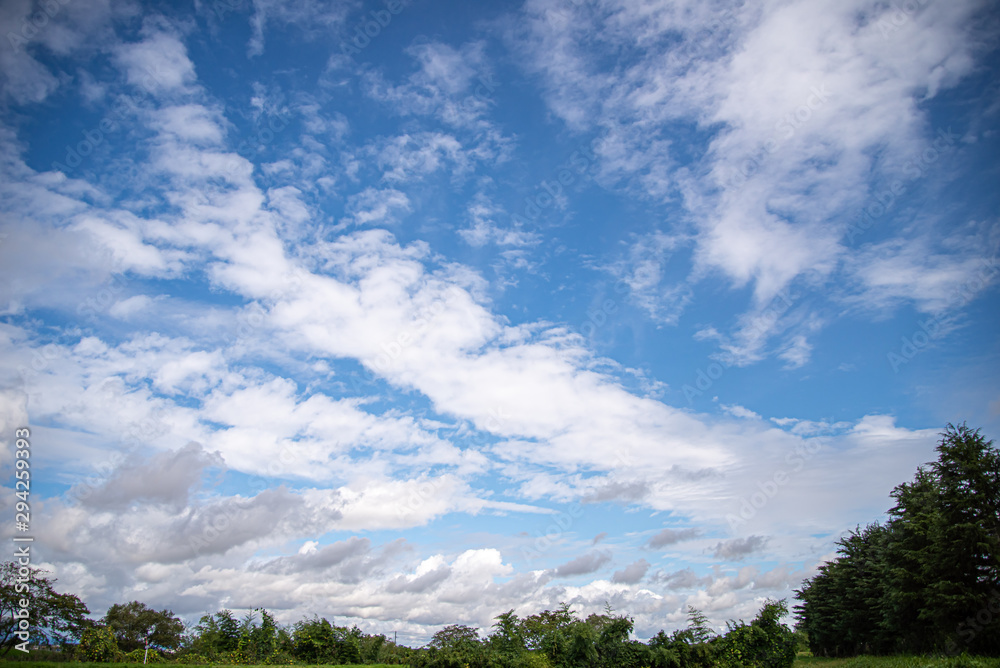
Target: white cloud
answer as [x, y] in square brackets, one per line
[632, 573]
[311, 18]
[190, 122]
[741, 412]
[158, 64]
[141, 420]
[800, 114]
[373, 206]
[483, 228]
[896, 271]
[643, 272]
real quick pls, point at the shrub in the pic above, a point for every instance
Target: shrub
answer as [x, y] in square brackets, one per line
[99, 645]
[763, 643]
[140, 656]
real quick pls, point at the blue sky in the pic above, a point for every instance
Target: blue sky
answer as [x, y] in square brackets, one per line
[409, 314]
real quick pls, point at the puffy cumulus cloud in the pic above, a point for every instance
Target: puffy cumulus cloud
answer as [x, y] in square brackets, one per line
[63, 30]
[265, 428]
[667, 537]
[166, 479]
[159, 63]
[193, 123]
[383, 207]
[452, 84]
[13, 416]
[428, 575]
[160, 534]
[632, 573]
[584, 564]
[257, 376]
[408, 158]
[682, 579]
[741, 412]
[739, 548]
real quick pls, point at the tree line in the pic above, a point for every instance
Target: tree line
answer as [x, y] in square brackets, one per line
[927, 580]
[133, 632]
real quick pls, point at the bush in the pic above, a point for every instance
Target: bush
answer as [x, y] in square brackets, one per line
[140, 656]
[763, 643]
[99, 645]
[192, 658]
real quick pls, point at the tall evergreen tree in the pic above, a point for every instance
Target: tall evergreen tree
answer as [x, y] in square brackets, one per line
[926, 580]
[966, 560]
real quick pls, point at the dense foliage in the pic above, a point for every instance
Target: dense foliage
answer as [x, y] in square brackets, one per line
[928, 580]
[54, 618]
[549, 639]
[135, 626]
[560, 639]
[98, 644]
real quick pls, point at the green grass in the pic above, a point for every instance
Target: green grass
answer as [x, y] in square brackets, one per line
[77, 664]
[897, 662]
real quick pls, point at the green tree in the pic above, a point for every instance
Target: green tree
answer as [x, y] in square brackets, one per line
[506, 642]
[965, 561]
[698, 627]
[921, 582]
[455, 636]
[53, 617]
[537, 627]
[315, 641]
[693, 647]
[98, 644]
[258, 643]
[456, 646]
[763, 643]
[216, 634]
[132, 623]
